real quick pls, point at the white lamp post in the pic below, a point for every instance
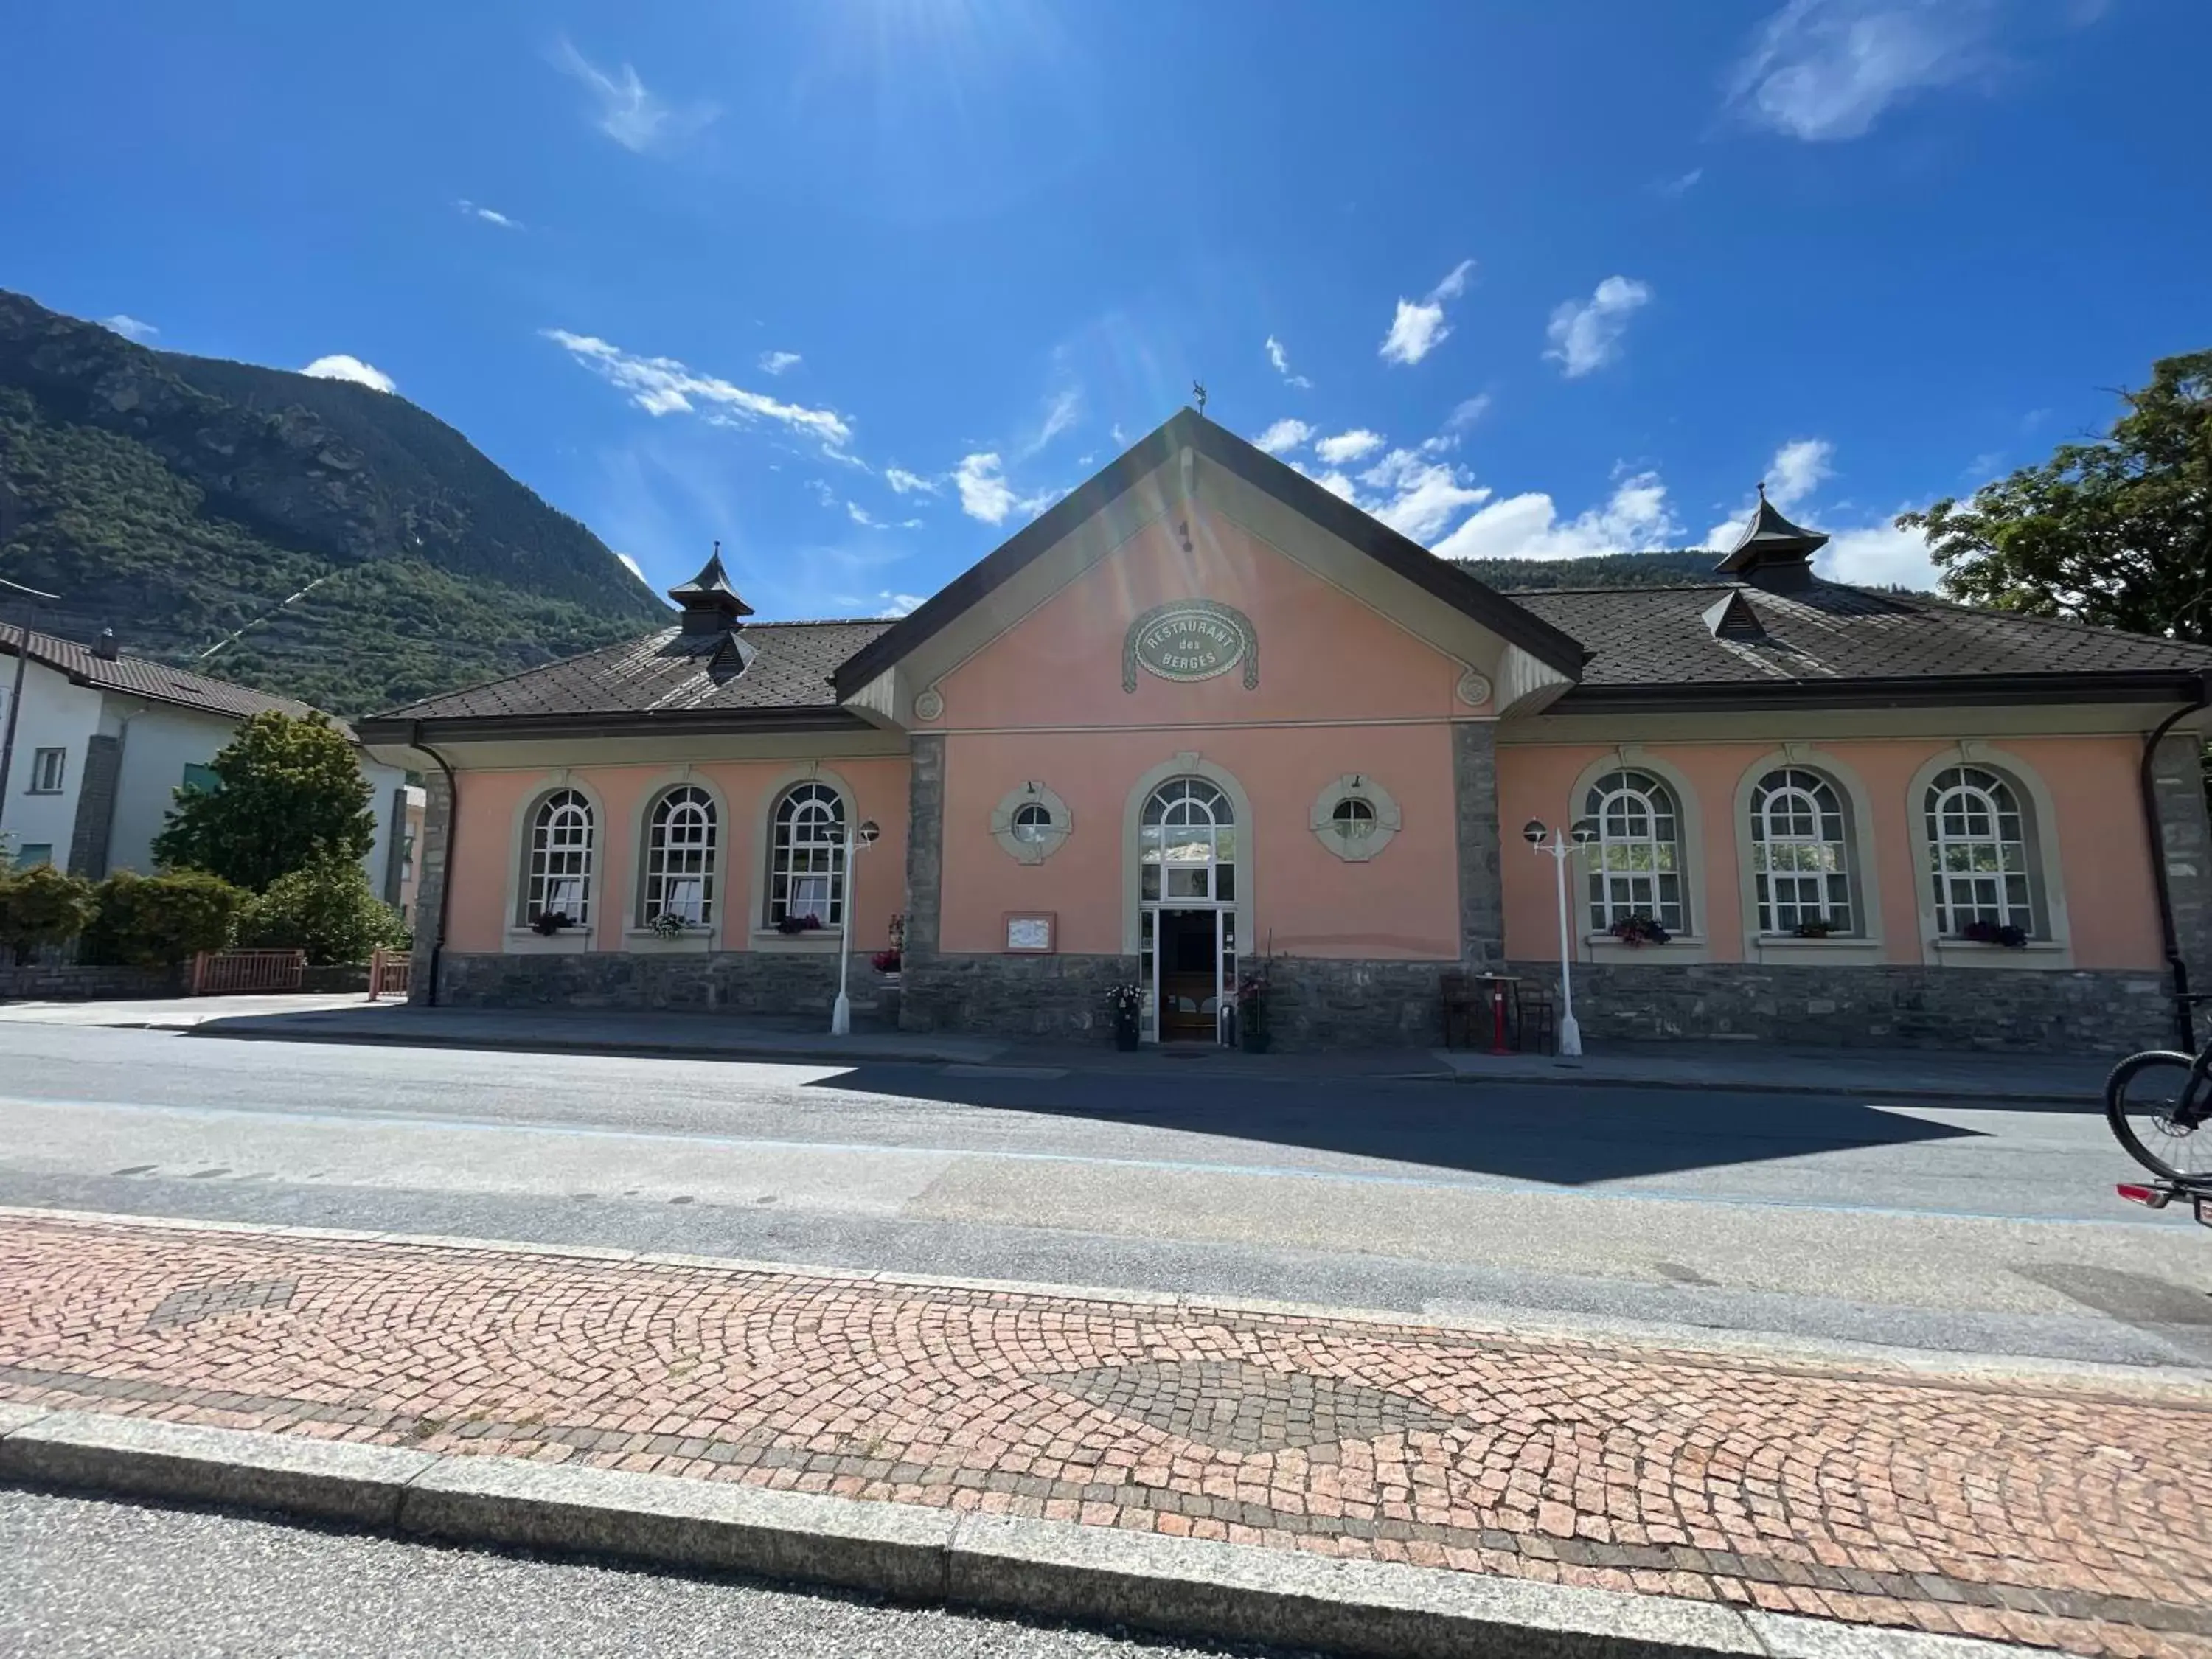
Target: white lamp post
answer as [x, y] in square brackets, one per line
[1582, 834]
[856, 843]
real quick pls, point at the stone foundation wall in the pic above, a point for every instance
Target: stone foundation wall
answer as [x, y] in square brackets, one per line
[71, 982]
[1317, 1003]
[731, 981]
[2054, 1012]
[1059, 997]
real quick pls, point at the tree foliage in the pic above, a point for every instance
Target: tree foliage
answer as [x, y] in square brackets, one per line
[290, 793]
[2118, 532]
[325, 910]
[41, 906]
[158, 921]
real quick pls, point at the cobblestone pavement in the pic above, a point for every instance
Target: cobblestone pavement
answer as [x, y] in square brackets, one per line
[2056, 1511]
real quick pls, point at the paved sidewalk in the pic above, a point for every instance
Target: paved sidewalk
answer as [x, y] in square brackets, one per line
[2052, 1509]
[1904, 1074]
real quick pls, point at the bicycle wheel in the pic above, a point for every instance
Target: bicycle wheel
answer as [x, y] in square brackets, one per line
[2140, 1098]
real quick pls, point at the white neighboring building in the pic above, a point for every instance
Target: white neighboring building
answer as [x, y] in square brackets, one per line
[103, 742]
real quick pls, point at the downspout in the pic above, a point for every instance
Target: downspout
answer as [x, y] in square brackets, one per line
[2170, 937]
[446, 870]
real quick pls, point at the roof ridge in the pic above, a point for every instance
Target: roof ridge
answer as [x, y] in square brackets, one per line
[518, 674]
[1937, 602]
[1631, 588]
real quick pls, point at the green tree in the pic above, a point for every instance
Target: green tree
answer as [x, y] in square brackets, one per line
[326, 910]
[290, 792]
[2118, 532]
[41, 906]
[158, 921]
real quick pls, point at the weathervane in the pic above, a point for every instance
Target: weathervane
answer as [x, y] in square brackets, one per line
[1198, 391]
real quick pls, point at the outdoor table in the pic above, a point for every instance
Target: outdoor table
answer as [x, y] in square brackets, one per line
[1497, 982]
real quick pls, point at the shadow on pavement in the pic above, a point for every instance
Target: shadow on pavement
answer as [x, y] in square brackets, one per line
[1544, 1134]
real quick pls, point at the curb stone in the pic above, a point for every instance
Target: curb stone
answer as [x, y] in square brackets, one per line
[1051, 1569]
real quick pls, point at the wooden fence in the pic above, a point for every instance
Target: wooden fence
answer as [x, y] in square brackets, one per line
[390, 973]
[226, 973]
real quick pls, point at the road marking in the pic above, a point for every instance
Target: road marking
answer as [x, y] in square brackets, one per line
[1500, 1185]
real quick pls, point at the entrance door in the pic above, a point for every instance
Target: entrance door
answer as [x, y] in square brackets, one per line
[1190, 975]
[1186, 913]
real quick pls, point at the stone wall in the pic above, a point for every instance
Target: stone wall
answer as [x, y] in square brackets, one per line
[1481, 888]
[95, 807]
[2185, 846]
[1059, 997]
[2049, 1012]
[72, 982]
[724, 982]
[430, 887]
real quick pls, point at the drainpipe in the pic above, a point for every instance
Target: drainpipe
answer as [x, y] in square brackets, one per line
[2183, 1026]
[446, 870]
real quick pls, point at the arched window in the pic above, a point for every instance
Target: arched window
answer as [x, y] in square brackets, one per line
[1188, 832]
[1977, 852]
[679, 857]
[1636, 863]
[1799, 859]
[807, 866]
[559, 881]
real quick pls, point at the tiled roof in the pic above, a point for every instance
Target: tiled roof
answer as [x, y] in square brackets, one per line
[1659, 637]
[138, 677]
[671, 670]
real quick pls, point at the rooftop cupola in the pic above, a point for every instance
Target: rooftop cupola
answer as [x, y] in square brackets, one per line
[1773, 552]
[710, 604]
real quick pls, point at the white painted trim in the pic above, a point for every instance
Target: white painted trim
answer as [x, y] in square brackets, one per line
[1031, 794]
[1973, 954]
[1837, 951]
[1866, 886]
[1188, 763]
[1389, 819]
[1679, 947]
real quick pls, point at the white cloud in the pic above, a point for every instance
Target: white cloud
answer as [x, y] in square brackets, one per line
[1681, 184]
[1352, 446]
[1797, 469]
[129, 326]
[339, 366]
[1825, 69]
[1284, 436]
[1280, 357]
[629, 113]
[867, 520]
[1878, 556]
[1061, 414]
[1633, 518]
[1422, 496]
[1419, 329]
[909, 484]
[774, 362]
[1467, 412]
[985, 495]
[662, 386]
[634, 567]
[490, 215]
[897, 604]
[1587, 336]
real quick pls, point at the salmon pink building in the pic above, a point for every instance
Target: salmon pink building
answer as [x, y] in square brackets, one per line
[1204, 720]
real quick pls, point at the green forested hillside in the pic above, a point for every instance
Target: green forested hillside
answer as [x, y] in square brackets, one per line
[318, 538]
[1606, 570]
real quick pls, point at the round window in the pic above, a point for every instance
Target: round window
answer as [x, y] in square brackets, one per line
[1354, 818]
[1032, 822]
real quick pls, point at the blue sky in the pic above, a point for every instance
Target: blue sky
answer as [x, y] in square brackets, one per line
[859, 286]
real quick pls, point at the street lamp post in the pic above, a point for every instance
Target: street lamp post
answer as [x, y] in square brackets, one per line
[1563, 845]
[857, 840]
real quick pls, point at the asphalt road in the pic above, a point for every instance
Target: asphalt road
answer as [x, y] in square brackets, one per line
[1953, 1228]
[83, 1578]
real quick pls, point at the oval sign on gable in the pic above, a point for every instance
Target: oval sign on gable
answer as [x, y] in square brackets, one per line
[1190, 640]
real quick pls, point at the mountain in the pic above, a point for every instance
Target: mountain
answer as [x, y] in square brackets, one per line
[1692, 565]
[309, 536]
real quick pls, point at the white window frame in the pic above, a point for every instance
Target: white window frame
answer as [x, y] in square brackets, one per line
[682, 844]
[556, 869]
[1613, 858]
[820, 808]
[44, 761]
[1981, 851]
[1800, 829]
